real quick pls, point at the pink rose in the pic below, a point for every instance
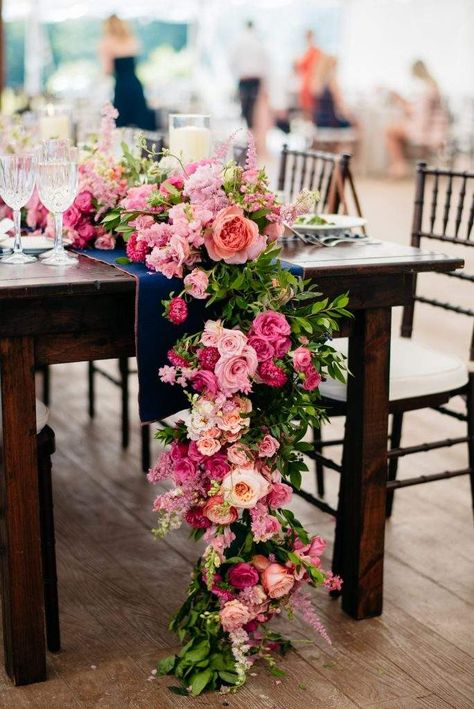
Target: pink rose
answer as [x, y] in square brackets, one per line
[271, 325]
[106, 242]
[234, 372]
[184, 471]
[194, 453]
[281, 346]
[242, 575]
[260, 562]
[280, 495]
[273, 231]
[233, 238]
[178, 451]
[196, 284]
[208, 445]
[231, 342]
[219, 511]
[234, 615]
[268, 446]
[312, 379]
[243, 487]
[262, 347]
[277, 580]
[213, 329]
[301, 359]
[85, 230]
[84, 201]
[239, 454]
[205, 381]
[71, 216]
[217, 466]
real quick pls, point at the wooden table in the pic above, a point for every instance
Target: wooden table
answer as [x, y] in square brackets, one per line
[50, 316]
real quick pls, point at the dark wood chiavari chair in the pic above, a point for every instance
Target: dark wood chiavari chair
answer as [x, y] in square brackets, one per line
[443, 212]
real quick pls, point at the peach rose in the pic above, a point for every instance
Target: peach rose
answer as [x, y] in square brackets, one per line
[243, 487]
[239, 454]
[277, 580]
[260, 562]
[268, 446]
[219, 511]
[208, 445]
[234, 615]
[233, 238]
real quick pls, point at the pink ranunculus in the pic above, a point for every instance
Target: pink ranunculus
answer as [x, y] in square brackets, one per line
[273, 231]
[277, 580]
[84, 201]
[262, 347]
[106, 242]
[72, 216]
[260, 562]
[196, 284]
[243, 487]
[195, 518]
[280, 495]
[312, 379]
[233, 238]
[205, 381]
[234, 372]
[234, 615]
[217, 466]
[301, 359]
[208, 445]
[268, 446]
[271, 325]
[231, 342]
[219, 511]
[243, 575]
[239, 454]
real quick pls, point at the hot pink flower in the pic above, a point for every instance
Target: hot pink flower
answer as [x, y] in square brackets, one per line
[281, 346]
[72, 216]
[242, 575]
[184, 471]
[233, 238]
[84, 201]
[272, 375]
[271, 325]
[268, 446]
[205, 381]
[85, 230]
[217, 466]
[208, 357]
[312, 379]
[262, 347]
[280, 495]
[178, 311]
[172, 181]
[234, 372]
[136, 249]
[194, 453]
[195, 518]
[301, 359]
[312, 551]
[277, 580]
[196, 284]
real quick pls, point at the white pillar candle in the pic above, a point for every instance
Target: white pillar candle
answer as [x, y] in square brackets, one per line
[190, 143]
[54, 125]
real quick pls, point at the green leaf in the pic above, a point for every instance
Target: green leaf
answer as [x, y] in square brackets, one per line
[179, 690]
[122, 259]
[165, 665]
[199, 652]
[229, 677]
[200, 681]
[276, 672]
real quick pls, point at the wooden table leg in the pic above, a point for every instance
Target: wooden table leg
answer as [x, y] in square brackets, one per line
[22, 584]
[362, 520]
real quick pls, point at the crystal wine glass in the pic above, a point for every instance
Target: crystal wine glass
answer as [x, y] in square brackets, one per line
[57, 183]
[17, 180]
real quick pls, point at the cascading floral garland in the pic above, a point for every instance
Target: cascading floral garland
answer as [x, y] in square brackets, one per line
[251, 377]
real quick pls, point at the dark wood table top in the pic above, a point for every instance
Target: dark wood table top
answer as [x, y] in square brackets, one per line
[33, 280]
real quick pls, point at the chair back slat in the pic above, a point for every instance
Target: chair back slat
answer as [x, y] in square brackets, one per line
[441, 189]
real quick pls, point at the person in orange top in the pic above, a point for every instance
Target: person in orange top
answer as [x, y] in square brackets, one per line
[305, 67]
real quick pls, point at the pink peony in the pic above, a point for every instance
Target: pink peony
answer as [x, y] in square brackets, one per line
[301, 359]
[234, 372]
[194, 453]
[178, 311]
[243, 487]
[196, 284]
[262, 347]
[242, 575]
[205, 381]
[268, 446]
[233, 238]
[277, 580]
[218, 511]
[271, 325]
[84, 201]
[312, 379]
[280, 495]
[234, 615]
[281, 346]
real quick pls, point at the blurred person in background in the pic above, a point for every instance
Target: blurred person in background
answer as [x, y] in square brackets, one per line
[424, 124]
[118, 50]
[329, 109]
[250, 65]
[305, 67]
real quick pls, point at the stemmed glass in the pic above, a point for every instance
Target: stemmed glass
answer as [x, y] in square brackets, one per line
[57, 183]
[17, 180]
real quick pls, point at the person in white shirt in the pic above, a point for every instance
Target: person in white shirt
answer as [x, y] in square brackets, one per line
[250, 66]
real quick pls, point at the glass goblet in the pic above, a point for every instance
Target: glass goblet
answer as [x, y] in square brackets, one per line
[17, 181]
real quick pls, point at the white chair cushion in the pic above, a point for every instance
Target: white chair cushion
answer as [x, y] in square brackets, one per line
[42, 415]
[415, 370]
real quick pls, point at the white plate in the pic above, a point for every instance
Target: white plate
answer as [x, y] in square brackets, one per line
[5, 225]
[339, 223]
[31, 244]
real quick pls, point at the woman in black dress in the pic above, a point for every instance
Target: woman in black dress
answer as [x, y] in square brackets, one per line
[119, 49]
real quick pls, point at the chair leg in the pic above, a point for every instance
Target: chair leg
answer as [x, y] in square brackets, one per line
[50, 579]
[124, 374]
[91, 387]
[470, 432]
[317, 437]
[396, 437]
[146, 452]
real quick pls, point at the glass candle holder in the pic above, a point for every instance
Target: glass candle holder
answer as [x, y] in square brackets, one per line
[190, 137]
[54, 123]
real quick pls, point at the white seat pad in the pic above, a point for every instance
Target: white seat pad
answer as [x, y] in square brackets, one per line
[415, 370]
[42, 415]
